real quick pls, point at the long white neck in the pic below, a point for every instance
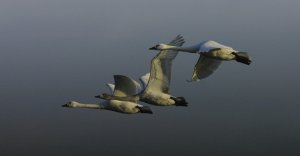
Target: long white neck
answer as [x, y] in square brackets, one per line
[191, 49]
[91, 106]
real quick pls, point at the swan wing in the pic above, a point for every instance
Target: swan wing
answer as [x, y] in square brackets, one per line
[144, 80]
[111, 87]
[138, 87]
[125, 86]
[204, 67]
[161, 64]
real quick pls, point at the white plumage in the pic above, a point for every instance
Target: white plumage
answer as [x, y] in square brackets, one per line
[211, 53]
[124, 86]
[156, 84]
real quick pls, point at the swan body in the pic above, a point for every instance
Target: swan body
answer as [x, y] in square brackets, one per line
[113, 105]
[211, 53]
[124, 106]
[156, 83]
[123, 87]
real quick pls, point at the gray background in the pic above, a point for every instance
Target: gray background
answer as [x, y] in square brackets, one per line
[54, 51]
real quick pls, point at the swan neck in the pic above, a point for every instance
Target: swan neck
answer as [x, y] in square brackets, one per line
[185, 49]
[91, 106]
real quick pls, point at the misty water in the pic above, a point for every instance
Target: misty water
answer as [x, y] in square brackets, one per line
[55, 51]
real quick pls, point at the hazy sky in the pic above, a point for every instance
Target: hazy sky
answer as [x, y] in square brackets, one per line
[54, 51]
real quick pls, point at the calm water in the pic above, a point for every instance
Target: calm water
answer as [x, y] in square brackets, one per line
[54, 51]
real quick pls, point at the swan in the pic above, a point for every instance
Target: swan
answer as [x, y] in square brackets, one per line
[156, 84]
[124, 86]
[211, 53]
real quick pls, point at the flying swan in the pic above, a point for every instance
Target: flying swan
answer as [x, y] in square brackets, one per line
[211, 53]
[156, 84]
[124, 86]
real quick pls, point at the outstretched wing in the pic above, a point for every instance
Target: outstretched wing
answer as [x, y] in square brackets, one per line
[161, 64]
[125, 86]
[204, 67]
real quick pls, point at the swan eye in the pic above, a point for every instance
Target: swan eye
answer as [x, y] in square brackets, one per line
[157, 46]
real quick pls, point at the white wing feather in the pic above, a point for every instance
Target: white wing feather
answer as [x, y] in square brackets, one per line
[111, 87]
[125, 86]
[161, 64]
[204, 67]
[144, 80]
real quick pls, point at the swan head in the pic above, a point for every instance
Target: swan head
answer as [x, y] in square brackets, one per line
[160, 46]
[144, 109]
[71, 104]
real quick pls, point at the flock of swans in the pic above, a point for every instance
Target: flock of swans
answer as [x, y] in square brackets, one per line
[125, 93]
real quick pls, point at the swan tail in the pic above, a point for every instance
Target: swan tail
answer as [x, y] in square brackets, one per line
[242, 57]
